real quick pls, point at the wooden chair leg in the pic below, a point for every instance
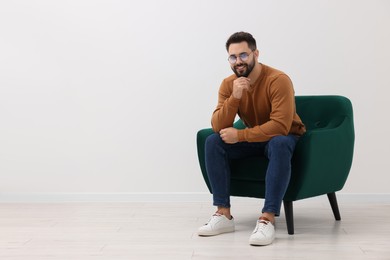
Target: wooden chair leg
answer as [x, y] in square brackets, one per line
[334, 205]
[288, 210]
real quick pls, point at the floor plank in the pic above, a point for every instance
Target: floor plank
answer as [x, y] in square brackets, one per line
[159, 230]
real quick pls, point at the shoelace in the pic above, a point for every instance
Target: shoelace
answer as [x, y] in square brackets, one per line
[215, 215]
[261, 227]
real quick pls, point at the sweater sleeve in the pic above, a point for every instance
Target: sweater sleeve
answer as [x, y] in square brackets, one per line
[226, 111]
[281, 95]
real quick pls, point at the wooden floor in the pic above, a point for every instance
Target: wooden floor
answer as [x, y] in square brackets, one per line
[167, 230]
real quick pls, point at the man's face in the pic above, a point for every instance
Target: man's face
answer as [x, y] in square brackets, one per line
[245, 58]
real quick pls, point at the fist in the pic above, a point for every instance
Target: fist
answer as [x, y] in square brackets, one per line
[239, 85]
[229, 135]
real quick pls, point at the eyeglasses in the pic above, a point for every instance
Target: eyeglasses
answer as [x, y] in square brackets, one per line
[243, 56]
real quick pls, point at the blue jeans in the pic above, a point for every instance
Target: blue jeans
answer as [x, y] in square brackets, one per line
[278, 150]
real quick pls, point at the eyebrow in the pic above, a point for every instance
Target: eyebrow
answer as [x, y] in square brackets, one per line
[238, 54]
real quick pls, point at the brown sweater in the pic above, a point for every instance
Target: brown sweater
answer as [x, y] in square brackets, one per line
[267, 109]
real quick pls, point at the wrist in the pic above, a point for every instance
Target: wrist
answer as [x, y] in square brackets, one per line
[240, 135]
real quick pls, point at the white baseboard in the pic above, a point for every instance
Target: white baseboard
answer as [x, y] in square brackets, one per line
[106, 197]
[161, 197]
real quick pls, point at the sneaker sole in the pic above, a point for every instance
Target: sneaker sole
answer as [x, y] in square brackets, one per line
[260, 243]
[215, 232]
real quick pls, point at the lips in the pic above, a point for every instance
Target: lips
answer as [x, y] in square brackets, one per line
[240, 67]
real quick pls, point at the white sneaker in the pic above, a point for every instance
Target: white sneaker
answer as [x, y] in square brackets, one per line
[263, 234]
[217, 224]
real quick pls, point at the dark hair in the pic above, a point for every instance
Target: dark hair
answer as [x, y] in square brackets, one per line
[242, 37]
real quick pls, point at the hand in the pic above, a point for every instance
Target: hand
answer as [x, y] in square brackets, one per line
[239, 85]
[229, 135]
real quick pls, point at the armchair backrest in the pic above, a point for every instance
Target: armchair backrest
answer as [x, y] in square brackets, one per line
[323, 111]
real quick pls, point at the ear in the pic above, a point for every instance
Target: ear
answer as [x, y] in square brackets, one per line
[256, 53]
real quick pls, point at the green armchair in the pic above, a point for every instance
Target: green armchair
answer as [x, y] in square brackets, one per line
[321, 162]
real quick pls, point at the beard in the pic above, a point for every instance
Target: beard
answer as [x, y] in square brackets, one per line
[245, 69]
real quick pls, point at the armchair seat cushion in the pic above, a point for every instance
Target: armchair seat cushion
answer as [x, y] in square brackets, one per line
[249, 169]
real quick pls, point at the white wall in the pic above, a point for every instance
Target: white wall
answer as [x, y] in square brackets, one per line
[107, 96]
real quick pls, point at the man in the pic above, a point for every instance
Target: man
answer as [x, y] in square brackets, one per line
[263, 98]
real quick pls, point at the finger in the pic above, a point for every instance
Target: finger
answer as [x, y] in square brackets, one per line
[247, 81]
[244, 79]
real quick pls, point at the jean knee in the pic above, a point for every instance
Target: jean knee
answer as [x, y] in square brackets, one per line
[281, 143]
[212, 141]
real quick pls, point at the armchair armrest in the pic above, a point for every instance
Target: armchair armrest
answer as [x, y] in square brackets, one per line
[322, 160]
[201, 140]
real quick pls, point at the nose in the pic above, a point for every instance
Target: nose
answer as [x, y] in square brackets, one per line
[237, 60]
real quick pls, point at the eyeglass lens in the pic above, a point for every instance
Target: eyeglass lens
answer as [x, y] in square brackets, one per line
[243, 56]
